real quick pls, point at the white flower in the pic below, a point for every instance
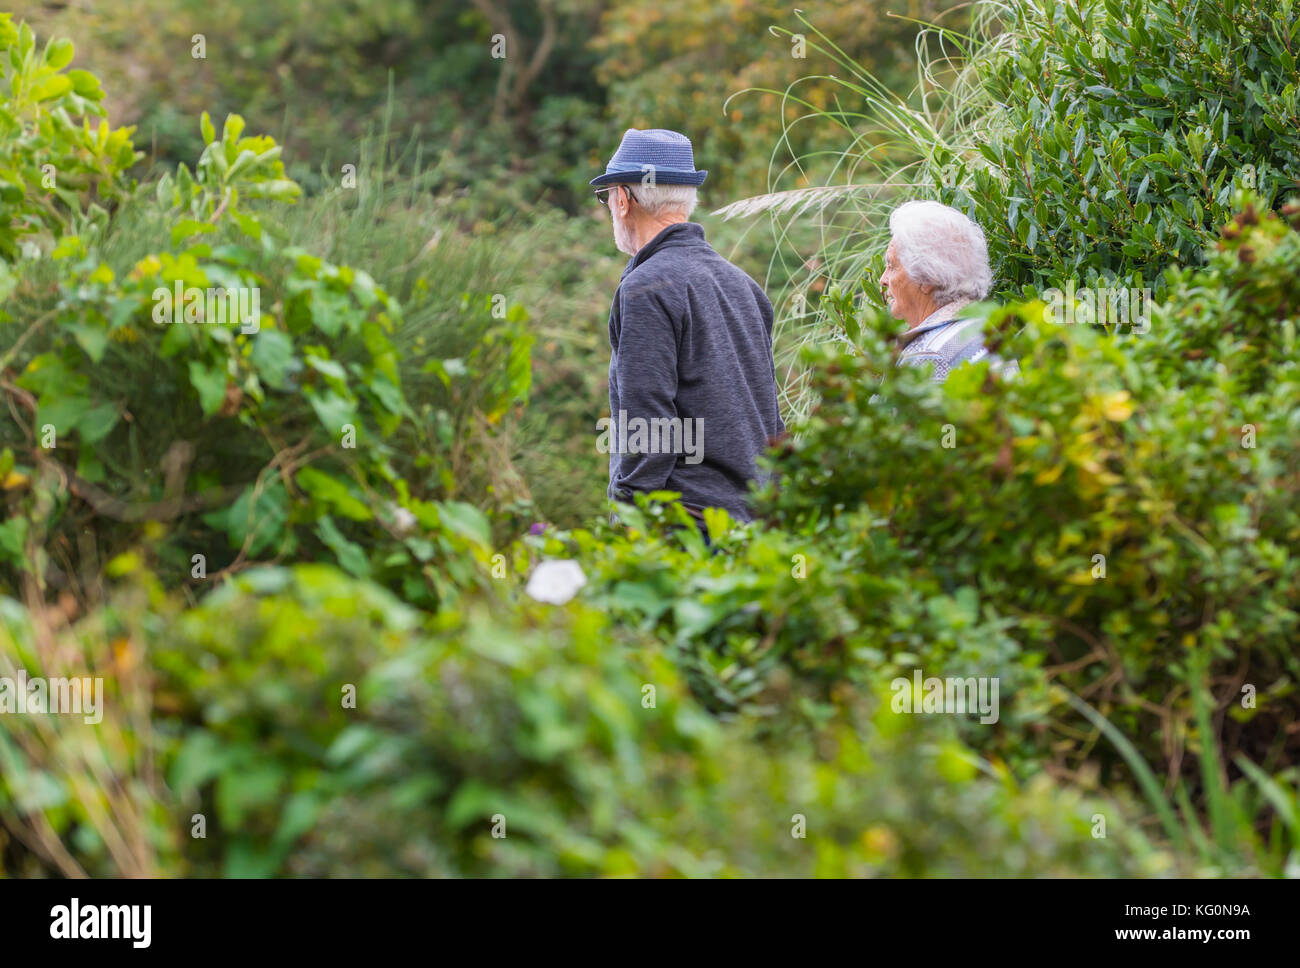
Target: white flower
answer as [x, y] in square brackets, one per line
[556, 582]
[403, 520]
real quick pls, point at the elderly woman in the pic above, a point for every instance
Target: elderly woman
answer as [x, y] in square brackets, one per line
[937, 263]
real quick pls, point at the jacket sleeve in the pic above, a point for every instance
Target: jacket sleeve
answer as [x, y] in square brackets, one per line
[646, 370]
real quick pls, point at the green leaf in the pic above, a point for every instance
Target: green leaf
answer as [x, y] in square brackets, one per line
[247, 788]
[58, 54]
[210, 382]
[85, 84]
[264, 521]
[388, 394]
[1287, 805]
[327, 367]
[13, 538]
[332, 492]
[273, 358]
[248, 224]
[186, 227]
[63, 413]
[278, 189]
[465, 520]
[92, 339]
[246, 160]
[200, 758]
[476, 802]
[349, 554]
[56, 85]
[232, 129]
[298, 817]
[331, 311]
[333, 411]
[96, 424]
[693, 618]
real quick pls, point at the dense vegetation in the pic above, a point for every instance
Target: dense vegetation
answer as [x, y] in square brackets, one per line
[296, 551]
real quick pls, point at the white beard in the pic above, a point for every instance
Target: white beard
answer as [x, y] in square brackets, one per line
[623, 237]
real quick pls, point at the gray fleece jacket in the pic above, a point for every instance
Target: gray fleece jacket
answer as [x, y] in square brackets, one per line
[692, 385]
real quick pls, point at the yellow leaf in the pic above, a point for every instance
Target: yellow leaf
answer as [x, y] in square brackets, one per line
[148, 266]
[880, 841]
[1049, 475]
[124, 564]
[1117, 406]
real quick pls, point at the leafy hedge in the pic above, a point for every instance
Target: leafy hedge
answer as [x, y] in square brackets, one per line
[539, 715]
[1098, 142]
[290, 434]
[1123, 129]
[1172, 455]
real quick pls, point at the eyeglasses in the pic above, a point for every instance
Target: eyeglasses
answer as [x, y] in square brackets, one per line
[602, 194]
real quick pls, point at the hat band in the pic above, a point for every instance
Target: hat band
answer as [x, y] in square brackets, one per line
[622, 169]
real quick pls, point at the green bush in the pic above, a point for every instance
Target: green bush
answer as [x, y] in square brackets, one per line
[535, 714]
[1116, 503]
[1171, 455]
[1099, 142]
[1126, 127]
[286, 435]
[55, 170]
[783, 627]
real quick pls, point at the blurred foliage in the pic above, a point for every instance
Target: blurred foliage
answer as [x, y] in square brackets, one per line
[782, 628]
[277, 439]
[335, 66]
[716, 71]
[539, 121]
[535, 718]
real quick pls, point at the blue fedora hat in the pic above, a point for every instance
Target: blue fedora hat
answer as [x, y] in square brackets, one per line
[665, 153]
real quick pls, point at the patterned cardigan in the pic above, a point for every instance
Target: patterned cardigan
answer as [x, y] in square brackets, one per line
[948, 341]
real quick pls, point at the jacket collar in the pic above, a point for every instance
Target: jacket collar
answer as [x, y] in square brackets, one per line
[679, 233]
[941, 317]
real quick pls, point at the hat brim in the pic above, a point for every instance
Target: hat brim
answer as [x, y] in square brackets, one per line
[661, 177]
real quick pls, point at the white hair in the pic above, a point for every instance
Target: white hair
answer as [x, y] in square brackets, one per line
[942, 249]
[660, 199]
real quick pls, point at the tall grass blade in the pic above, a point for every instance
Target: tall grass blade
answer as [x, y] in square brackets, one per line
[1146, 779]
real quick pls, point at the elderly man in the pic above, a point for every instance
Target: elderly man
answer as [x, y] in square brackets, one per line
[692, 384]
[937, 263]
